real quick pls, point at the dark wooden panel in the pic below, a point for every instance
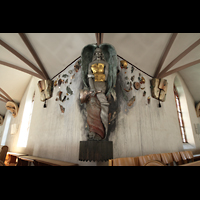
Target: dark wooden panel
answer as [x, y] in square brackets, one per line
[95, 150]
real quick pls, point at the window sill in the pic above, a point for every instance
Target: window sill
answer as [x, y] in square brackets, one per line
[188, 146]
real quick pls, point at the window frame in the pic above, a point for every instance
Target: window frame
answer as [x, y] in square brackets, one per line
[180, 116]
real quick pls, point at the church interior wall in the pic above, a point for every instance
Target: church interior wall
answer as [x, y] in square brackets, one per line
[139, 130]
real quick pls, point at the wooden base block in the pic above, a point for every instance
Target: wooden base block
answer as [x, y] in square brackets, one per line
[95, 150]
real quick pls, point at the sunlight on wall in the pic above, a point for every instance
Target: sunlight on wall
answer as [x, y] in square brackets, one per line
[25, 125]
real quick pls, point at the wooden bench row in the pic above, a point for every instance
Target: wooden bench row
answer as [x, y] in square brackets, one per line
[18, 159]
[171, 159]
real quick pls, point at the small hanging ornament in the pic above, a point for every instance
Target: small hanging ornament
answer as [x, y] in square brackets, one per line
[77, 66]
[70, 71]
[148, 99]
[131, 101]
[45, 104]
[159, 105]
[132, 69]
[130, 88]
[126, 78]
[142, 80]
[55, 83]
[69, 91]
[60, 81]
[123, 64]
[64, 75]
[62, 109]
[132, 78]
[73, 76]
[60, 96]
[136, 85]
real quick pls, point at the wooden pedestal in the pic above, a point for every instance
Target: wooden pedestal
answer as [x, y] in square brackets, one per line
[95, 150]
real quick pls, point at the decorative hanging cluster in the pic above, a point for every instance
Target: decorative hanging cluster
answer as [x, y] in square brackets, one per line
[67, 80]
[131, 83]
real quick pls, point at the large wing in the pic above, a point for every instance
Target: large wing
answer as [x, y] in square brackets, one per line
[86, 58]
[110, 55]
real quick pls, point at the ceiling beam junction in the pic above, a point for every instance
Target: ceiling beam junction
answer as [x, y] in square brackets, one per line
[3, 97]
[21, 58]
[34, 54]
[99, 38]
[173, 62]
[180, 68]
[8, 97]
[21, 69]
[3, 100]
[164, 55]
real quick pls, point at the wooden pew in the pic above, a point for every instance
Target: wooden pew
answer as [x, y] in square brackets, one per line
[12, 157]
[196, 157]
[37, 161]
[3, 152]
[196, 163]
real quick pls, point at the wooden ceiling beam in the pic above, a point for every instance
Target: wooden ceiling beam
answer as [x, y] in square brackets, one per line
[173, 62]
[3, 100]
[34, 54]
[96, 35]
[164, 55]
[21, 57]
[21, 69]
[180, 68]
[3, 97]
[99, 38]
[8, 97]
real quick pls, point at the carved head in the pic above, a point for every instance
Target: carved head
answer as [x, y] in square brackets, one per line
[98, 55]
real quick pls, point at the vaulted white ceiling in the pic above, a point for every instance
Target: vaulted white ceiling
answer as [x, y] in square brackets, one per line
[57, 50]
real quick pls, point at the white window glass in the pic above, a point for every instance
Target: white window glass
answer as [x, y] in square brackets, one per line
[6, 128]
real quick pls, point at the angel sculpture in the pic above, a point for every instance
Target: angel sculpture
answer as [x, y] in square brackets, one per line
[99, 73]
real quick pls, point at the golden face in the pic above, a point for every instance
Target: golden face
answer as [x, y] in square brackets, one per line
[98, 71]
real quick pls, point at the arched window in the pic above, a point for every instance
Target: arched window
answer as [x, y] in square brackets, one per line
[180, 116]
